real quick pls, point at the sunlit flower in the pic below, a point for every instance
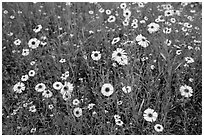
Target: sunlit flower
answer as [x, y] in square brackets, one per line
[66, 73]
[32, 63]
[24, 78]
[25, 52]
[141, 4]
[119, 122]
[120, 102]
[90, 106]
[101, 10]
[17, 42]
[19, 87]
[107, 89]
[126, 13]
[134, 25]
[43, 43]
[189, 59]
[127, 89]
[191, 79]
[158, 128]
[91, 12]
[142, 41]
[67, 88]
[96, 55]
[123, 5]
[76, 102]
[186, 91]
[150, 115]
[167, 30]
[37, 29]
[77, 112]
[117, 117]
[115, 40]
[32, 108]
[126, 22]
[32, 130]
[66, 96]
[108, 12]
[119, 55]
[47, 93]
[57, 85]
[50, 106]
[33, 43]
[62, 60]
[168, 13]
[173, 20]
[40, 87]
[111, 18]
[153, 27]
[178, 52]
[31, 73]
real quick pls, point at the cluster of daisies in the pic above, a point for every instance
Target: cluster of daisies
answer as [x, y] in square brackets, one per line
[33, 43]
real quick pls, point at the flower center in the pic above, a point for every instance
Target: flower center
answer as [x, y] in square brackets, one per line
[119, 54]
[107, 89]
[150, 115]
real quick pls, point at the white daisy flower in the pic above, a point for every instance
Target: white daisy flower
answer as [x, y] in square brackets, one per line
[67, 88]
[32, 108]
[186, 91]
[168, 13]
[40, 87]
[101, 10]
[77, 112]
[142, 41]
[108, 12]
[66, 73]
[126, 22]
[33, 43]
[178, 52]
[57, 85]
[19, 87]
[62, 60]
[37, 29]
[96, 55]
[119, 122]
[134, 25]
[90, 106]
[117, 117]
[66, 96]
[189, 59]
[107, 89]
[140, 37]
[119, 102]
[153, 27]
[115, 40]
[25, 52]
[50, 106]
[167, 30]
[31, 73]
[123, 5]
[76, 102]
[119, 55]
[150, 115]
[32, 130]
[32, 63]
[111, 18]
[43, 43]
[158, 128]
[17, 42]
[91, 12]
[127, 89]
[24, 78]
[47, 93]
[126, 13]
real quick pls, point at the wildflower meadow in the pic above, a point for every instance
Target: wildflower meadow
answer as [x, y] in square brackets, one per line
[101, 68]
